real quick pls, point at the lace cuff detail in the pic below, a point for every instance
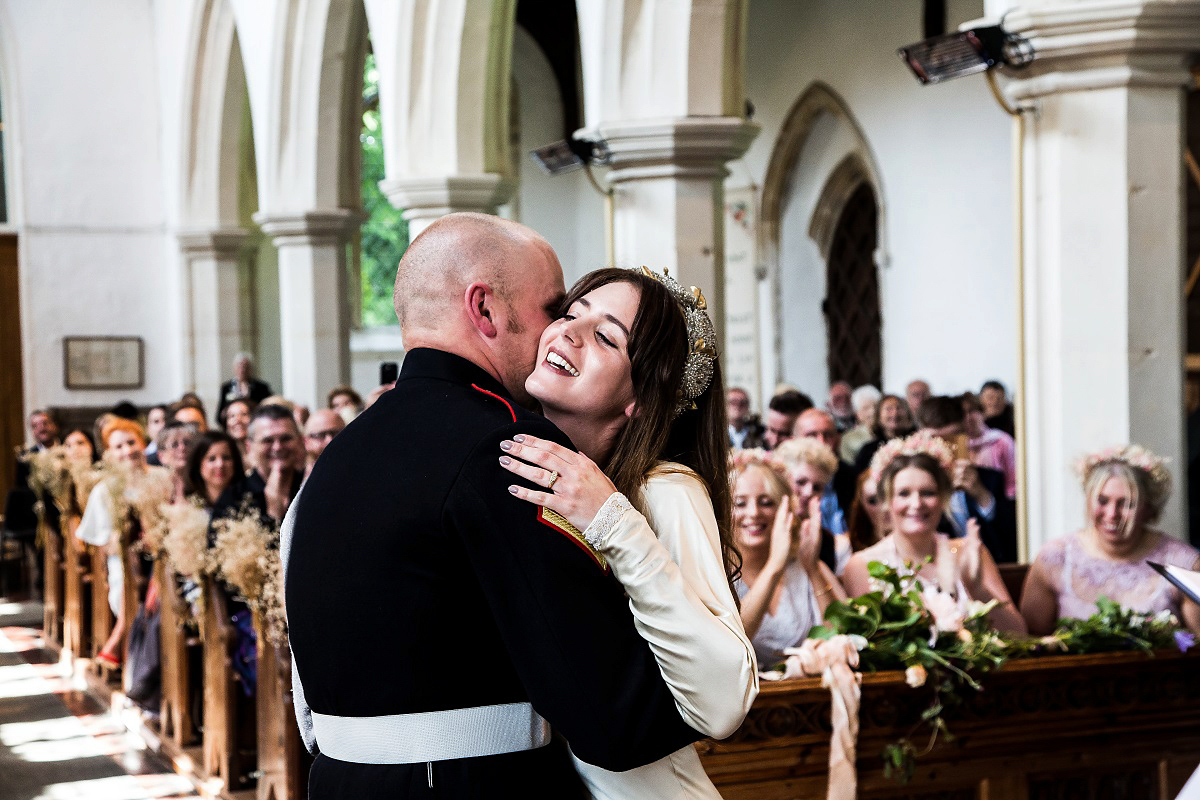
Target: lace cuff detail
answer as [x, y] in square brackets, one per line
[605, 520]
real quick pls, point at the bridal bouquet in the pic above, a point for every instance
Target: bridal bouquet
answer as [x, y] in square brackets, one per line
[927, 634]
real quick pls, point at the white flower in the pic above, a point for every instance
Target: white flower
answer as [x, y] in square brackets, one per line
[859, 642]
[915, 676]
[945, 609]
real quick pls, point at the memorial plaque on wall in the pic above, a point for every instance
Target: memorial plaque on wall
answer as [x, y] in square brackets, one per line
[740, 361]
[103, 362]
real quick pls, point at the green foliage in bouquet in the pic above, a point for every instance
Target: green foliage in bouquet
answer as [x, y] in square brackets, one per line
[1112, 628]
[910, 627]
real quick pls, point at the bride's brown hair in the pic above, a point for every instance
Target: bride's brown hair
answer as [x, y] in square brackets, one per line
[698, 438]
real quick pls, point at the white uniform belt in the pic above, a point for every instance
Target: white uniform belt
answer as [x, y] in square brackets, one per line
[431, 735]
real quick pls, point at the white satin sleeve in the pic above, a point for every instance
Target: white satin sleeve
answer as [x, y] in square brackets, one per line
[681, 601]
[96, 527]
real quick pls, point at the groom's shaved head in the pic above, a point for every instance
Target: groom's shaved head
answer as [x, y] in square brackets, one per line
[451, 254]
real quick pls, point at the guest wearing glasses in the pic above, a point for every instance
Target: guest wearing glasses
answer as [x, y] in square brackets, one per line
[323, 424]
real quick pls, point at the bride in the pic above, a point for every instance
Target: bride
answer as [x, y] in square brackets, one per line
[629, 373]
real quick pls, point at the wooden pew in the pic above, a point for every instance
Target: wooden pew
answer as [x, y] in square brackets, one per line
[102, 616]
[181, 681]
[283, 761]
[229, 716]
[1088, 726]
[77, 592]
[53, 590]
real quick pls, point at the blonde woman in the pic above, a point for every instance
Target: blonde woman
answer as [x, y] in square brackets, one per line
[810, 466]
[784, 587]
[1126, 489]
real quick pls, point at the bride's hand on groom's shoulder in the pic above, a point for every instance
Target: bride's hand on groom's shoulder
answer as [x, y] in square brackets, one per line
[569, 483]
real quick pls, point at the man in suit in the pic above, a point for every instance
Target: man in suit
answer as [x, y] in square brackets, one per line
[979, 492]
[745, 431]
[244, 384]
[406, 557]
[839, 494]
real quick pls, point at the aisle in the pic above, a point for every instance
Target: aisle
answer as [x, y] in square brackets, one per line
[57, 743]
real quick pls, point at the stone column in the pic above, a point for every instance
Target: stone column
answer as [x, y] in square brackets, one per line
[1104, 241]
[668, 178]
[424, 199]
[217, 328]
[314, 309]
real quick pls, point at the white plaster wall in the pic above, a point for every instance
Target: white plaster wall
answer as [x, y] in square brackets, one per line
[947, 289]
[94, 253]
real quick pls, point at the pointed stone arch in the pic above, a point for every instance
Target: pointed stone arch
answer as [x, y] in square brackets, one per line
[816, 109]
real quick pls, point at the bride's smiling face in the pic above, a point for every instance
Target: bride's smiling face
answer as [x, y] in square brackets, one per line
[583, 358]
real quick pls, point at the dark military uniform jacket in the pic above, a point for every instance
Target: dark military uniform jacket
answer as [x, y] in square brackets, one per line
[416, 582]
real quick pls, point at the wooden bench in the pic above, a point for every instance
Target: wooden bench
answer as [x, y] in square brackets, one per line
[230, 746]
[53, 589]
[283, 761]
[1087, 726]
[182, 672]
[77, 592]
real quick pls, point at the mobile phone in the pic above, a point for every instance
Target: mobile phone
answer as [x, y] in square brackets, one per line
[388, 372]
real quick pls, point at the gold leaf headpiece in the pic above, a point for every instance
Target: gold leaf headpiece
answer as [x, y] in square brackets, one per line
[702, 339]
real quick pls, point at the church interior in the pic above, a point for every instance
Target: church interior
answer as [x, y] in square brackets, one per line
[980, 215]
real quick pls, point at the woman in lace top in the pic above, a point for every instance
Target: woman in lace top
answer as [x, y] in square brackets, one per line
[1125, 490]
[784, 586]
[630, 375]
[914, 483]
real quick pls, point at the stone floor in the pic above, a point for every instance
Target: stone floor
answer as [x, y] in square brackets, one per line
[57, 742]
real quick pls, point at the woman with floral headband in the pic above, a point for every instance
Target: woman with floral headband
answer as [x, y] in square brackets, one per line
[629, 373]
[913, 480]
[1125, 489]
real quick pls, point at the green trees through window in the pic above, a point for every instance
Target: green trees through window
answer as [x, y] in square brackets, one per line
[385, 232]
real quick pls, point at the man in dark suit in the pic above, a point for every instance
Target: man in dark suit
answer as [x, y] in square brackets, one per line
[979, 492]
[406, 557]
[244, 384]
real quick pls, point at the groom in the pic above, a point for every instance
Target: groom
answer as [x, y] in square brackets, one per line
[440, 628]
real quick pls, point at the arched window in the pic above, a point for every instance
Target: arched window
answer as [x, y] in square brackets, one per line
[851, 304]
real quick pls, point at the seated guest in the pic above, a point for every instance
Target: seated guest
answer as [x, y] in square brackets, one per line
[20, 504]
[989, 447]
[839, 490]
[276, 459]
[79, 448]
[237, 421]
[782, 411]
[979, 492]
[864, 400]
[916, 393]
[913, 476]
[1126, 490]
[784, 587]
[244, 384]
[100, 526]
[214, 468]
[892, 419]
[810, 466]
[869, 520]
[191, 412]
[323, 424]
[156, 418]
[840, 406]
[173, 442]
[745, 431]
[345, 401]
[997, 411]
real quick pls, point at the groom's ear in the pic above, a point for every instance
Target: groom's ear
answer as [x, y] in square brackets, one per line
[480, 301]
